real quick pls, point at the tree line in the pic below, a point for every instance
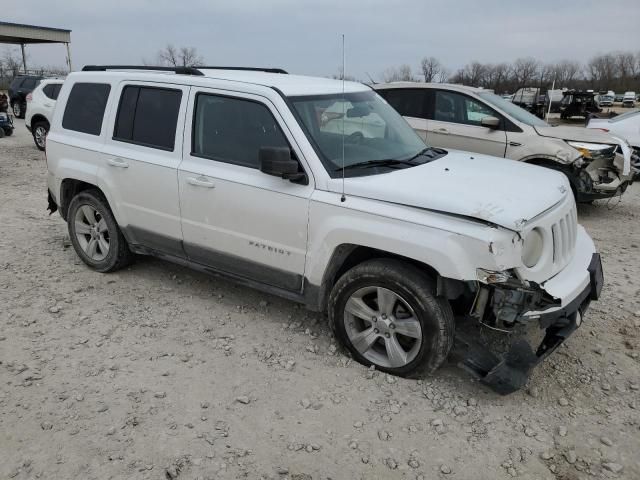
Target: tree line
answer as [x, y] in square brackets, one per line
[617, 71]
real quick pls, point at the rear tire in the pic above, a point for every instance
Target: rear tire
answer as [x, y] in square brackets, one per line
[386, 313]
[94, 233]
[18, 109]
[2, 133]
[40, 130]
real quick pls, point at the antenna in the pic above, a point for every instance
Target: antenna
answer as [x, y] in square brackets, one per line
[343, 198]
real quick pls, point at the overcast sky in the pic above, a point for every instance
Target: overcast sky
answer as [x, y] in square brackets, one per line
[304, 36]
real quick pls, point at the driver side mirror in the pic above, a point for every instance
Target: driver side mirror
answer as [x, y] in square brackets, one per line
[490, 122]
[277, 161]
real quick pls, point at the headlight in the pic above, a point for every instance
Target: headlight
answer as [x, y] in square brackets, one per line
[532, 248]
[489, 276]
[589, 150]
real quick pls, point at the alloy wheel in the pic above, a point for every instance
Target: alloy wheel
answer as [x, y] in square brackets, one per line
[92, 233]
[40, 135]
[382, 327]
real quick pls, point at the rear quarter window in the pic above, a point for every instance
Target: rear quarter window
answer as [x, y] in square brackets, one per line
[52, 90]
[85, 107]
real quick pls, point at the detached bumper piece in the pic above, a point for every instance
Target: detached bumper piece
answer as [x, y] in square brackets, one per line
[509, 371]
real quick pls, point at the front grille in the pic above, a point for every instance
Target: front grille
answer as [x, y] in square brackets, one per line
[564, 232]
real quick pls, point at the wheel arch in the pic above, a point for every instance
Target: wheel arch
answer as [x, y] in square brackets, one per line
[346, 256]
[69, 188]
[37, 118]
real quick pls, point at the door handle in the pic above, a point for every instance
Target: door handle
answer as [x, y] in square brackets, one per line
[48, 105]
[118, 162]
[200, 181]
[443, 131]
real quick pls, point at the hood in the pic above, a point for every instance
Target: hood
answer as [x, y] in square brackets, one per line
[578, 134]
[503, 192]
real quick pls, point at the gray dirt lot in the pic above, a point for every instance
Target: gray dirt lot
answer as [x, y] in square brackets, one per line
[160, 372]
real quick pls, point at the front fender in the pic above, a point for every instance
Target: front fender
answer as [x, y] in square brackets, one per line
[452, 246]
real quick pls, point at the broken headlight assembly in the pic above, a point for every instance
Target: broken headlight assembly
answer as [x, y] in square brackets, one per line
[591, 151]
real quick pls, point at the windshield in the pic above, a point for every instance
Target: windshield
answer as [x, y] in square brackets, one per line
[370, 130]
[512, 110]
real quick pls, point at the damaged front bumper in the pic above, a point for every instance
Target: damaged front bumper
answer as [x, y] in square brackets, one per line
[604, 177]
[503, 357]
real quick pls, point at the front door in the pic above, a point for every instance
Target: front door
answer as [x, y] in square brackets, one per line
[235, 218]
[455, 124]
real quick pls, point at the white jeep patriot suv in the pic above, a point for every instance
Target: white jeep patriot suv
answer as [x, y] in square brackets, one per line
[318, 191]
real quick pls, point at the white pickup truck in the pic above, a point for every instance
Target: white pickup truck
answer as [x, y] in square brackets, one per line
[319, 191]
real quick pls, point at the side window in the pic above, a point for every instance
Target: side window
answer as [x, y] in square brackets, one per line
[48, 90]
[233, 130]
[148, 116]
[458, 108]
[408, 102]
[85, 107]
[475, 111]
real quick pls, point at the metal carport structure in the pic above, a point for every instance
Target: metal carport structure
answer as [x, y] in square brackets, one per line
[19, 34]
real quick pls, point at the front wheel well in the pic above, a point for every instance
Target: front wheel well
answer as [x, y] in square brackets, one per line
[347, 256]
[69, 188]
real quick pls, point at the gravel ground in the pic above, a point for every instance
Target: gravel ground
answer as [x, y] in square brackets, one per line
[160, 372]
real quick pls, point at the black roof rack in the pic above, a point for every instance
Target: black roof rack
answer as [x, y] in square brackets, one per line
[248, 69]
[179, 70]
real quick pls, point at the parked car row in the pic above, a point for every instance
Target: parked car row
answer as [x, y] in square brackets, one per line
[317, 190]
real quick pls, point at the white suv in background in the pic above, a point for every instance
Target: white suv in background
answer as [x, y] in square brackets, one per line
[40, 104]
[598, 165]
[252, 175]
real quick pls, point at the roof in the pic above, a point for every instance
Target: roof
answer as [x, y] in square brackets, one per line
[20, 33]
[289, 85]
[448, 86]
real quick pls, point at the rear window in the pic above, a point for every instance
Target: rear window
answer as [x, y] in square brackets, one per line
[85, 107]
[30, 83]
[148, 116]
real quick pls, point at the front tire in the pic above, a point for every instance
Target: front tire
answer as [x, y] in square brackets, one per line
[94, 233]
[386, 313]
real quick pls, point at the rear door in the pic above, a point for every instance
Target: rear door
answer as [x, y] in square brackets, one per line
[140, 162]
[454, 122]
[235, 218]
[411, 104]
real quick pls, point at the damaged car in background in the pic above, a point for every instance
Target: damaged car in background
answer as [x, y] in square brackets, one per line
[597, 164]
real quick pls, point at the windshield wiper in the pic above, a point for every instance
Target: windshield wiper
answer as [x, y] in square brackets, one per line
[435, 152]
[388, 162]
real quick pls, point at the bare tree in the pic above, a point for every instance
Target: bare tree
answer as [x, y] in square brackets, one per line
[431, 69]
[11, 62]
[474, 74]
[525, 70]
[179, 57]
[401, 74]
[341, 76]
[602, 70]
